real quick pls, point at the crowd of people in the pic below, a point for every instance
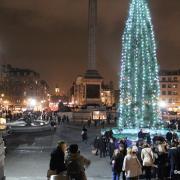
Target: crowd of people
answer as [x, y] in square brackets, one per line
[146, 158]
[159, 158]
[56, 120]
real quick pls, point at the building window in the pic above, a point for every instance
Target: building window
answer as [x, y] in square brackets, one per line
[169, 79]
[175, 86]
[163, 85]
[174, 100]
[163, 92]
[163, 79]
[175, 78]
[174, 93]
[170, 100]
[169, 93]
[169, 85]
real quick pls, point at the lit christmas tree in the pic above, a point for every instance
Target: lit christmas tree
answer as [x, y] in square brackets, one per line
[139, 81]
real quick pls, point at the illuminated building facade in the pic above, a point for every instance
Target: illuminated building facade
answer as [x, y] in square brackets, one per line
[170, 89]
[18, 85]
[108, 94]
[87, 90]
[92, 91]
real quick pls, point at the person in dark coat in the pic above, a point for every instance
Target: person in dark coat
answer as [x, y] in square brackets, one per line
[178, 158]
[172, 156]
[84, 134]
[174, 137]
[102, 146]
[89, 122]
[53, 124]
[96, 144]
[111, 148]
[59, 120]
[162, 162]
[169, 137]
[177, 163]
[140, 134]
[138, 153]
[148, 138]
[57, 161]
[117, 163]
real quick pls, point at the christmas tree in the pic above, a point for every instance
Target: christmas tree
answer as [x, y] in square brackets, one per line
[139, 81]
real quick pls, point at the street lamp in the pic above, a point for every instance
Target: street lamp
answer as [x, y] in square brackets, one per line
[162, 104]
[32, 102]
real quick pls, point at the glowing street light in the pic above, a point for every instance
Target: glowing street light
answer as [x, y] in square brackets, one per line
[32, 102]
[162, 104]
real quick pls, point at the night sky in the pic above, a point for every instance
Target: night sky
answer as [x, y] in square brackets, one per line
[51, 36]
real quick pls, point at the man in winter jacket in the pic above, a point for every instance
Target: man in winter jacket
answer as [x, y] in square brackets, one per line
[172, 159]
[57, 161]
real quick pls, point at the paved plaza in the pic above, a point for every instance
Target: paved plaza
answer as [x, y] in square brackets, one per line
[29, 154]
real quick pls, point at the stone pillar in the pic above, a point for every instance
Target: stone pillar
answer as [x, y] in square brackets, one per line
[92, 20]
[2, 157]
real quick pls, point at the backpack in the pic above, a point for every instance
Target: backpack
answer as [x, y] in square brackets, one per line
[75, 170]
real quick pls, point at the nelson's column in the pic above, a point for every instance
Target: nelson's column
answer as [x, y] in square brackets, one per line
[92, 78]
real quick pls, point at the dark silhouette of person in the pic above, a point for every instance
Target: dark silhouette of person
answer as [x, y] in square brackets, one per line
[57, 161]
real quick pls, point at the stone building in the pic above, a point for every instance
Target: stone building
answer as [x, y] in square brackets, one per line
[170, 88]
[19, 84]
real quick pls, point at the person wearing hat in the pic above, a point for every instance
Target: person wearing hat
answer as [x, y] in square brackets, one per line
[57, 161]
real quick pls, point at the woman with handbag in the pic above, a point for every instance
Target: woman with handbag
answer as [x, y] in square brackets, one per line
[147, 157]
[131, 165]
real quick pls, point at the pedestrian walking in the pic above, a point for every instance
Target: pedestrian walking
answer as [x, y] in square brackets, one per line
[117, 163]
[172, 159]
[102, 146]
[84, 134]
